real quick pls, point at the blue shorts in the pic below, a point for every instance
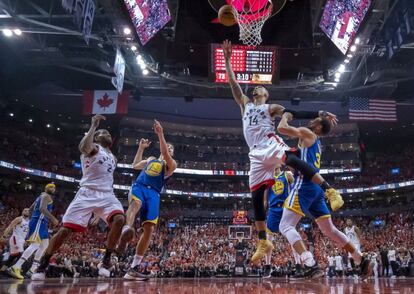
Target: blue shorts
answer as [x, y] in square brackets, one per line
[38, 230]
[307, 198]
[274, 215]
[150, 202]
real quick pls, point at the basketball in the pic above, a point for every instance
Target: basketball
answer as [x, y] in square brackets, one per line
[226, 15]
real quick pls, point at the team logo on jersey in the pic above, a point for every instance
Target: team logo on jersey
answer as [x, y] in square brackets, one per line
[278, 187]
[154, 169]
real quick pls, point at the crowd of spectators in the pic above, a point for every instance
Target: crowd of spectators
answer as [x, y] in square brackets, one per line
[206, 250]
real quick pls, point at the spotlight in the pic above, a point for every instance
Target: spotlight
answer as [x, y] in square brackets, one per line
[337, 80]
[353, 48]
[7, 32]
[134, 48]
[30, 120]
[346, 60]
[139, 59]
[11, 114]
[337, 75]
[334, 84]
[143, 66]
[145, 72]
[48, 126]
[341, 68]
[127, 31]
[350, 56]
[357, 41]
[58, 129]
[17, 32]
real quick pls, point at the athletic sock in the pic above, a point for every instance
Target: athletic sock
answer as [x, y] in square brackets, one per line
[34, 266]
[137, 260]
[325, 186]
[44, 262]
[307, 259]
[262, 235]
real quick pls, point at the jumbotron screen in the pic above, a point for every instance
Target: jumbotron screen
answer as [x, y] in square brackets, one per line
[341, 20]
[251, 65]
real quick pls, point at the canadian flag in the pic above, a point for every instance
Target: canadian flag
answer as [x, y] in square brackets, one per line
[105, 102]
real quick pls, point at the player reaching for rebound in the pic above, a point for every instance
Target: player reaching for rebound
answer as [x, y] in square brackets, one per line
[145, 197]
[19, 228]
[308, 197]
[276, 196]
[354, 234]
[268, 150]
[38, 233]
[95, 196]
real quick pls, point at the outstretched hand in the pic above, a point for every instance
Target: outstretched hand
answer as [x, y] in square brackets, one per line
[332, 118]
[144, 143]
[227, 49]
[157, 127]
[96, 120]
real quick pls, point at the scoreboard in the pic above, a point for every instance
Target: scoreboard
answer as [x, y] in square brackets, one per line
[251, 65]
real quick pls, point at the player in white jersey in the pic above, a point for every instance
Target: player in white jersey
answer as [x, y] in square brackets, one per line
[19, 228]
[354, 234]
[95, 196]
[268, 150]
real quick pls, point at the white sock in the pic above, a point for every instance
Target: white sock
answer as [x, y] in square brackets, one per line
[307, 259]
[124, 228]
[296, 256]
[268, 258]
[34, 266]
[26, 255]
[137, 260]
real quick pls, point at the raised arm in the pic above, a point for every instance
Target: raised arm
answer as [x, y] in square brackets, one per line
[171, 164]
[285, 129]
[11, 226]
[138, 162]
[236, 90]
[86, 145]
[45, 199]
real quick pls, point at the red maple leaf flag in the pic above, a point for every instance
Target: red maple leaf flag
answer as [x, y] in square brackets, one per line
[105, 102]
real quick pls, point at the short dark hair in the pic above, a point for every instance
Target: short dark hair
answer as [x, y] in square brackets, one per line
[326, 126]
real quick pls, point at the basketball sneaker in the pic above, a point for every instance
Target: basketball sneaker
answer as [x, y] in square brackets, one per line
[313, 272]
[38, 276]
[267, 272]
[263, 248]
[334, 198]
[135, 274]
[15, 273]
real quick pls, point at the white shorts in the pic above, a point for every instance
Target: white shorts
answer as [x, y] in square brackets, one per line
[88, 201]
[263, 160]
[16, 245]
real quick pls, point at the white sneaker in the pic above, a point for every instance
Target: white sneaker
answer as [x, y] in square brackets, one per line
[105, 273]
[38, 277]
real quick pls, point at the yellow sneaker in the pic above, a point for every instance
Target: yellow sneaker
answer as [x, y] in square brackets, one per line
[334, 198]
[15, 273]
[263, 248]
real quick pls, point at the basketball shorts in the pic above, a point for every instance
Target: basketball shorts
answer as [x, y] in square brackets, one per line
[38, 230]
[88, 201]
[263, 160]
[16, 245]
[274, 215]
[150, 202]
[307, 198]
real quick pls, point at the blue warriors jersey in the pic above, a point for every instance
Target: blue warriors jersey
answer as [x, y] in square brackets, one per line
[38, 224]
[312, 154]
[153, 175]
[278, 192]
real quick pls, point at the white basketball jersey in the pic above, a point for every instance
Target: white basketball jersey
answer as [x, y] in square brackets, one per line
[98, 170]
[257, 124]
[352, 235]
[20, 231]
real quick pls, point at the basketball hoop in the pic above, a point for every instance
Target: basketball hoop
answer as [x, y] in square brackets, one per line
[251, 18]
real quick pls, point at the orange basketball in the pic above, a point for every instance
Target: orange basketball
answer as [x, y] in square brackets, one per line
[226, 15]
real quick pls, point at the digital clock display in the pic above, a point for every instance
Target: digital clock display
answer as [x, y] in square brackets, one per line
[251, 65]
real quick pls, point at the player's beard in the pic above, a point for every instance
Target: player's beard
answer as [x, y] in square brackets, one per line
[105, 142]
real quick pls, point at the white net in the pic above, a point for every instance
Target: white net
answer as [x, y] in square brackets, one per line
[251, 18]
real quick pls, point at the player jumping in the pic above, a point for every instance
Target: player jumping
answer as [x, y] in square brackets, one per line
[19, 228]
[145, 197]
[268, 150]
[38, 235]
[309, 197]
[95, 196]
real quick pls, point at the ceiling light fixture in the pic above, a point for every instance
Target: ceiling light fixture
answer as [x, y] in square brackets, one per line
[353, 48]
[7, 32]
[17, 32]
[127, 31]
[145, 72]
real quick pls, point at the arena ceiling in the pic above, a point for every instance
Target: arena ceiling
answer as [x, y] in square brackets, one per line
[50, 64]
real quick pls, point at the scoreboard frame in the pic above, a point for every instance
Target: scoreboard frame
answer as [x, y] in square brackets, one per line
[245, 77]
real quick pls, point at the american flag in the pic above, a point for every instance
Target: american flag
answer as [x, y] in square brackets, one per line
[363, 109]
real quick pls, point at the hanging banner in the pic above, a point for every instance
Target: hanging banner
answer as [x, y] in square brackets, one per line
[119, 70]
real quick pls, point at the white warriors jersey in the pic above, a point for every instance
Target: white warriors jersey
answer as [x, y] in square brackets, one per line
[352, 235]
[257, 124]
[20, 231]
[98, 170]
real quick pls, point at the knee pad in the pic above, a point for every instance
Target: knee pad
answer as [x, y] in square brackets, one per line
[258, 204]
